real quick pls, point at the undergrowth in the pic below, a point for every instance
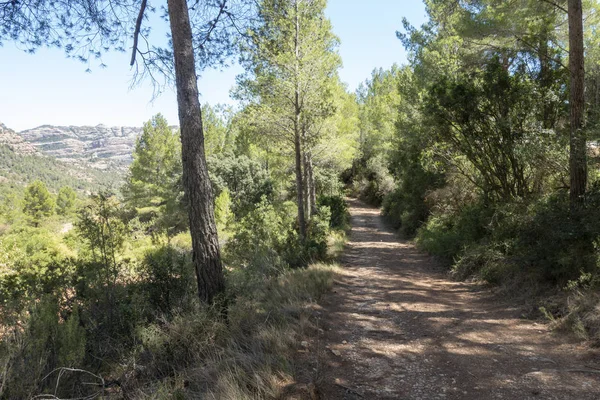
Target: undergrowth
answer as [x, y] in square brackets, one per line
[131, 326]
[244, 356]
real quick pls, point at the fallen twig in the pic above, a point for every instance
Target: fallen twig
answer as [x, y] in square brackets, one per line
[350, 390]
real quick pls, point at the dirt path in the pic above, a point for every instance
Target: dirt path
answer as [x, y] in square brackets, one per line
[395, 327]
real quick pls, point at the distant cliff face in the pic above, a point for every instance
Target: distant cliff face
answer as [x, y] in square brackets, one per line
[88, 159]
[98, 146]
[15, 142]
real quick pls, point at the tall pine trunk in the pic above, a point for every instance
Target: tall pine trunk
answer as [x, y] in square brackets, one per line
[311, 184]
[299, 186]
[545, 79]
[297, 129]
[205, 244]
[306, 181]
[578, 144]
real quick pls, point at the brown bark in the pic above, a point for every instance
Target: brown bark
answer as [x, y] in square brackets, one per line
[205, 244]
[311, 184]
[300, 187]
[306, 189]
[578, 144]
[545, 79]
[297, 131]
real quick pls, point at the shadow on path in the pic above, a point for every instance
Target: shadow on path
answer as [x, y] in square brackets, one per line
[395, 327]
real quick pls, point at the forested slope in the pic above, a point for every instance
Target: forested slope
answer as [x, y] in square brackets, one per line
[17, 169]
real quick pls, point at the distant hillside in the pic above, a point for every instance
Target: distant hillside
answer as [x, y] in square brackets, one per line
[100, 147]
[15, 142]
[22, 162]
[19, 169]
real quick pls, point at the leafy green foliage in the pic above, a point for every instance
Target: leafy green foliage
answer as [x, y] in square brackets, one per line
[168, 277]
[372, 180]
[446, 235]
[315, 247]
[154, 184]
[218, 135]
[38, 202]
[34, 262]
[340, 217]
[223, 214]
[246, 180]
[378, 99]
[65, 200]
[263, 237]
[493, 111]
[101, 227]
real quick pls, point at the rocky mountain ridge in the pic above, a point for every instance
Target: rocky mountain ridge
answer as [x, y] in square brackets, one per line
[99, 146]
[25, 158]
[15, 142]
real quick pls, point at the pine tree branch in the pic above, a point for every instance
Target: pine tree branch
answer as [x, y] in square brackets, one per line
[558, 6]
[136, 34]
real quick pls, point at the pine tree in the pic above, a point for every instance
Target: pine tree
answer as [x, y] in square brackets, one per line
[292, 62]
[38, 202]
[154, 181]
[65, 201]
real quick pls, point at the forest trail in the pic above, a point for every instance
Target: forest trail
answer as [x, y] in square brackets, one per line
[395, 327]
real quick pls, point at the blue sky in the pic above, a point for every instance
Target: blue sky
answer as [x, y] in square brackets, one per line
[47, 88]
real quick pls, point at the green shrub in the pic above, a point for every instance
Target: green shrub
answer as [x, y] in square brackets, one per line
[168, 276]
[404, 211]
[47, 343]
[38, 203]
[446, 235]
[543, 239]
[65, 200]
[262, 238]
[372, 180]
[558, 243]
[327, 181]
[72, 341]
[223, 213]
[439, 238]
[317, 234]
[482, 261]
[339, 211]
[33, 263]
[246, 180]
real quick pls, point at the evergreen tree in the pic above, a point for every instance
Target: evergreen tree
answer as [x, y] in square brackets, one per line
[292, 65]
[65, 201]
[217, 128]
[154, 181]
[38, 202]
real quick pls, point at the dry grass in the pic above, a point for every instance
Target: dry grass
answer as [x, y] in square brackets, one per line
[582, 316]
[245, 356]
[335, 244]
[204, 352]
